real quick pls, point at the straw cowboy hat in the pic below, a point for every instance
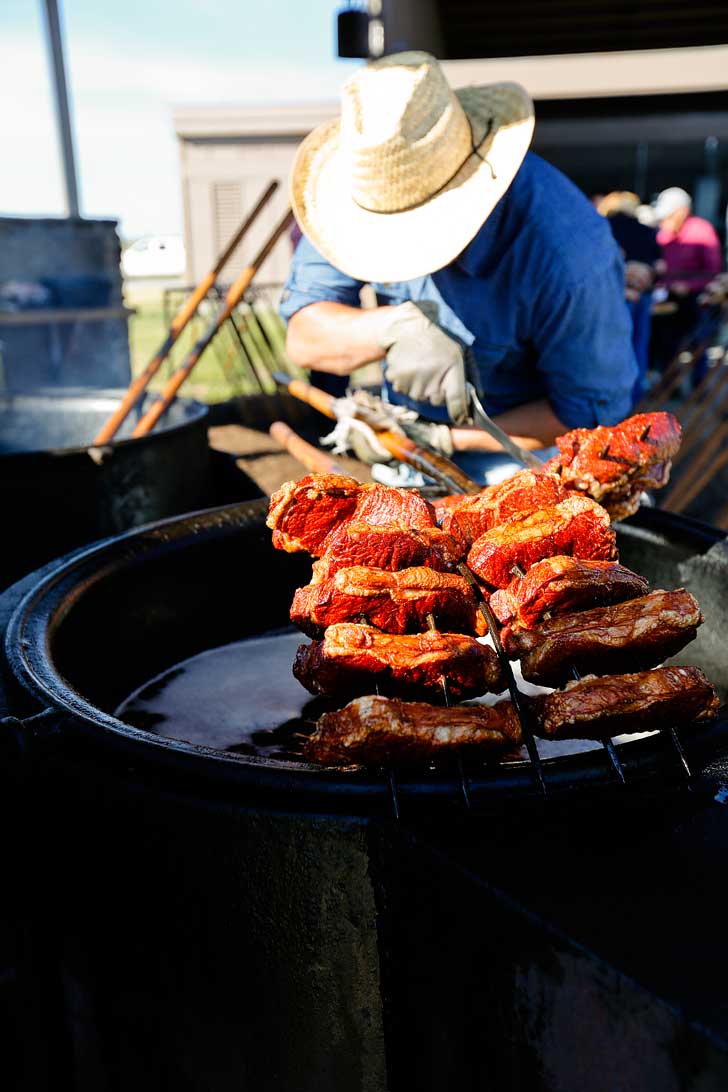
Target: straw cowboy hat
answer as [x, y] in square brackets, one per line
[402, 181]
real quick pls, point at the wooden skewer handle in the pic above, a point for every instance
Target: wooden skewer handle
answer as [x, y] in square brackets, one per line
[234, 295]
[399, 446]
[315, 460]
[312, 396]
[180, 320]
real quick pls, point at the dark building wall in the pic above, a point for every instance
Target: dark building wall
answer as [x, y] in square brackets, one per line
[642, 143]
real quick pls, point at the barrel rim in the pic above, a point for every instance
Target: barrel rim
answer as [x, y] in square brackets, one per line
[28, 655]
[196, 412]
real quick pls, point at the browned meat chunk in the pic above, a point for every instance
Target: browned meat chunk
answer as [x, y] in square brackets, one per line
[638, 634]
[396, 602]
[596, 708]
[445, 506]
[354, 659]
[303, 514]
[576, 526]
[560, 584]
[615, 465]
[392, 546]
[375, 730]
[523, 493]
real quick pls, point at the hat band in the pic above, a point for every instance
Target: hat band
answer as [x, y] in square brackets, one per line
[417, 204]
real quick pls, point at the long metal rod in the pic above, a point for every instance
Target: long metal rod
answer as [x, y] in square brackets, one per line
[448, 702]
[54, 35]
[492, 624]
[706, 464]
[607, 743]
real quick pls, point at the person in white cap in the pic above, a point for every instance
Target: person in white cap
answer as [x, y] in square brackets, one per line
[690, 245]
[488, 265]
[692, 258]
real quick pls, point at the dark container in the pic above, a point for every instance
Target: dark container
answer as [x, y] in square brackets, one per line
[199, 919]
[57, 491]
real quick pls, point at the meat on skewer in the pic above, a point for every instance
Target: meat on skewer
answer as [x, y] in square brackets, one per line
[597, 708]
[390, 546]
[615, 465]
[445, 506]
[524, 492]
[376, 730]
[560, 584]
[303, 514]
[353, 659]
[577, 526]
[396, 602]
[639, 633]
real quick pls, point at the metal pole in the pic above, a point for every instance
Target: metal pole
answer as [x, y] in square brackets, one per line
[55, 47]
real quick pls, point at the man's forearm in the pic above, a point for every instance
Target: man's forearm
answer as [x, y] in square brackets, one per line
[532, 425]
[332, 337]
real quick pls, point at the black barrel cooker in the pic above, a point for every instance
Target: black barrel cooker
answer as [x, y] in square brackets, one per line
[199, 918]
[59, 491]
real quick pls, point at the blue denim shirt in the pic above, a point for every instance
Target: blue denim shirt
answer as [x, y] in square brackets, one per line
[538, 295]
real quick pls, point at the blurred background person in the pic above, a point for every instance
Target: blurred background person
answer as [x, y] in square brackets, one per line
[693, 257]
[642, 255]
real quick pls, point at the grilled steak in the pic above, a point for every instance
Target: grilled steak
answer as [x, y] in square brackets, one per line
[523, 493]
[396, 602]
[303, 514]
[595, 708]
[559, 584]
[354, 659]
[615, 465]
[391, 546]
[636, 634]
[375, 730]
[445, 506]
[576, 526]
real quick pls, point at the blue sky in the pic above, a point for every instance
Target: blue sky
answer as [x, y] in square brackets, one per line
[129, 63]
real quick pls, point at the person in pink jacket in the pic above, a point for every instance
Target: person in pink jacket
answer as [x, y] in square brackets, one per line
[692, 257]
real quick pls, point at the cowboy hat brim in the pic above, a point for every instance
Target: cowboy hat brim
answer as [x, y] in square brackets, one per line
[398, 246]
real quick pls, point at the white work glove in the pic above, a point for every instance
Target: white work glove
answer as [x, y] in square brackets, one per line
[430, 434]
[357, 437]
[423, 361]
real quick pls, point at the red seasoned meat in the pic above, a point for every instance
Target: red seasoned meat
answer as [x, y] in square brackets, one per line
[576, 526]
[560, 584]
[615, 465]
[637, 634]
[523, 493]
[382, 504]
[396, 602]
[618, 704]
[445, 506]
[392, 546]
[303, 514]
[354, 659]
[375, 730]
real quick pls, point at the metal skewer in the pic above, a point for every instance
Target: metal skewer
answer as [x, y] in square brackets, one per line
[392, 778]
[492, 624]
[448, 702]
[607, 743]
[675, 741]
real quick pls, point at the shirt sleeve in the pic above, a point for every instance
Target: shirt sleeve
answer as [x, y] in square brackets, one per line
[583, 340]
[312, 279]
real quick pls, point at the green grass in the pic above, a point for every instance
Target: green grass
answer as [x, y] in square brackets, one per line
[224, 370]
